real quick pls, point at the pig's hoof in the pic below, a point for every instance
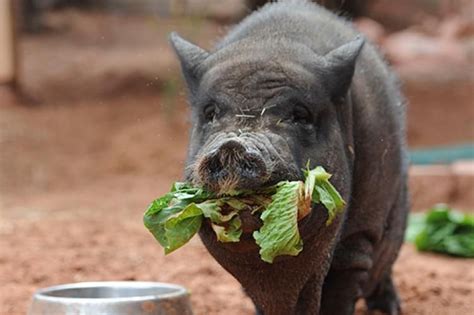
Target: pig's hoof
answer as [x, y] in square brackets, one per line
[384, 299]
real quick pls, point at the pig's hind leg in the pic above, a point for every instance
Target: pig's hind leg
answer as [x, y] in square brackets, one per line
[384, 298]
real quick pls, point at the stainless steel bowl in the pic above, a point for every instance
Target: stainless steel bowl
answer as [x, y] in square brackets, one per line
[112, 298]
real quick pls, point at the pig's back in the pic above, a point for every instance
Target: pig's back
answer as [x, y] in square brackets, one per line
[295, 20]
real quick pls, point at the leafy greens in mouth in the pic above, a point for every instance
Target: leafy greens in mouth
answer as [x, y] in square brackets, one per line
[176, 217]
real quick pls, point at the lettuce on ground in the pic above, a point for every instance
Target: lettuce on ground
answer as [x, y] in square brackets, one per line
[442, 230]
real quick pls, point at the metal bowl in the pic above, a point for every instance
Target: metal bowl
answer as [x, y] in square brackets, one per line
[112, 298]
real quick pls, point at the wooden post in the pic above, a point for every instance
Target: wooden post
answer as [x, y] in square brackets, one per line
[8, 61]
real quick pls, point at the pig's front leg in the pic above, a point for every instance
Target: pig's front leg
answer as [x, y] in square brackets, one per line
[341, 291]
[347, 276]
[309, 300]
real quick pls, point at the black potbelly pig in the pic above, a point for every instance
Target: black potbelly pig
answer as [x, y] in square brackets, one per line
[294, 83]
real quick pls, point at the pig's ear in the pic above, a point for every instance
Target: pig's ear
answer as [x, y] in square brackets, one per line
[190, 57]
[340, 64]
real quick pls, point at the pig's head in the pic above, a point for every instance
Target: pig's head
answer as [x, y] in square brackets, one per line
[262, 109]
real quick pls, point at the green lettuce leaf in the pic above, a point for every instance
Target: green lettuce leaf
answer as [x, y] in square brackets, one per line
[230, 233]
[181, 227]
[226, 226]
[292, 201]
[317, 186]
[212, 209]
[279, 234]
[442, 230]
[174, 218]
[173, 225]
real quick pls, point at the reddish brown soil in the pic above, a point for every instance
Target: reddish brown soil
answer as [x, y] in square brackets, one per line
[78, 170]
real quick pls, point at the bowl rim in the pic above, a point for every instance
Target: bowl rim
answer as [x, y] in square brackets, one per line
[41, 294]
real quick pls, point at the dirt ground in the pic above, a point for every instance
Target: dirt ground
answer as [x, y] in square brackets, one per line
[95, 233]
[101, 133]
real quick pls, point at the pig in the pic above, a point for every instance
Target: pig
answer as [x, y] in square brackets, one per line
[294, 83]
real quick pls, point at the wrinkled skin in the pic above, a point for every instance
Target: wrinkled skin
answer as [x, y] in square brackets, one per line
[291, 84]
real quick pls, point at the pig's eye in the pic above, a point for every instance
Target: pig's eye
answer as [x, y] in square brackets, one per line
[302, 115]
[209, 112]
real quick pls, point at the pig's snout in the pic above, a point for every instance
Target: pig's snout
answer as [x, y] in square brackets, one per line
[233, 165]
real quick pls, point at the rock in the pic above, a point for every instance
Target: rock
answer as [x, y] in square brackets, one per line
[456, 27]
[464, 180]
[449, 184]
[410, 46]
[430, 185]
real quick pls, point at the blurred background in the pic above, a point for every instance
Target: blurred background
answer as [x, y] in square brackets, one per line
[93, 126]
